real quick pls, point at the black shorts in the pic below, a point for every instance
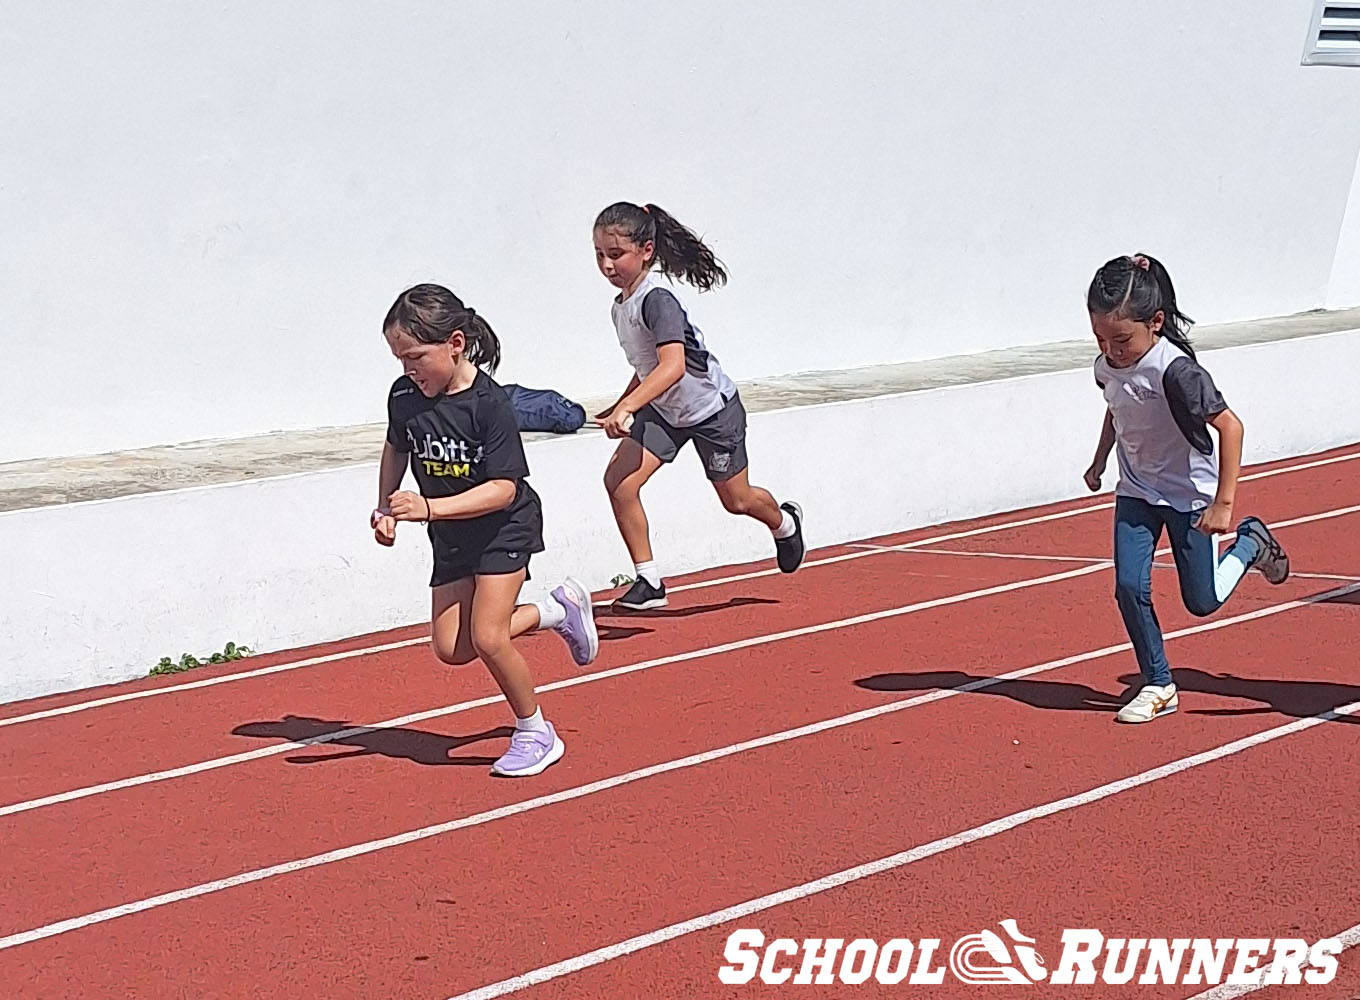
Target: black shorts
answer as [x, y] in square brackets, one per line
[490, 564]
[720, 440]
[491, 545]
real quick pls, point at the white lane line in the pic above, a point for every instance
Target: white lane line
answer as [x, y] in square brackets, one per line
[728, 914]
[1095, 565]
[386, 647]
[580, 791]
[446, 710]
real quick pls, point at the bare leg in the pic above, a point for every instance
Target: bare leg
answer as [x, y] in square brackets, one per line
[624, 477]
[738, 496]
[451, 625]
[493, 608]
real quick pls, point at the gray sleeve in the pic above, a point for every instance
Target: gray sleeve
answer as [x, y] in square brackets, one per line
[1194, 400]
[664, 317]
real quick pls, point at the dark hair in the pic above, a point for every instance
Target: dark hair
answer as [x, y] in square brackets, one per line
[432, 314]
[1136, 288]
[678, 250]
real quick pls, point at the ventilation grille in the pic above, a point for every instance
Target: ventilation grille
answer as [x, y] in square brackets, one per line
[1334, 36]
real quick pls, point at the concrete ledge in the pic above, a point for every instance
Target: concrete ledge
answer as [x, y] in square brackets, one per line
[44, 482]
[98, 591]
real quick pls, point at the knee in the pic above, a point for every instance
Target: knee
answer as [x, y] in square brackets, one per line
[455, 654]
[736, 503]
[490, 643]
[1200, 605]
[617, 486]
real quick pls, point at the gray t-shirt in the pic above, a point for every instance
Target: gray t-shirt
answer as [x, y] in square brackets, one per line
[1161, 408]
[653, 316]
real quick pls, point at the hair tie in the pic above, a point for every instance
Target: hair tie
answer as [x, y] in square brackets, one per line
[471, 312]
[645, 209]
[1142, 263]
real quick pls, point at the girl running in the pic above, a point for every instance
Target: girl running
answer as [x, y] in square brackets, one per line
[1160, 404]
[484, 520]
[678, 392]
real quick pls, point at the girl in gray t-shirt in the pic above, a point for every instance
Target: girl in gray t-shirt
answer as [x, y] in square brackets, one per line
[1159, 406]
[679, 393]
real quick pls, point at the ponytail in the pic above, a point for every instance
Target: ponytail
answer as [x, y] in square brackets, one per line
[1137, 288]
[432, 314]
[678, 250]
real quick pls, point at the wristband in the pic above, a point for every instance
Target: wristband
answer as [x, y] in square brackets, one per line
[378, 514]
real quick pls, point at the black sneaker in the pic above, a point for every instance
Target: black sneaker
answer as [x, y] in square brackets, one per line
[642, 596]
[1271, 560]
[790, 550]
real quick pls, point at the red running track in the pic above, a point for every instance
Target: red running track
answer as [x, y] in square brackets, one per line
[196, 856]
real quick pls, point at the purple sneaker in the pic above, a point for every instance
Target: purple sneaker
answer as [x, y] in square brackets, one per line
[531, 752]
[578, 628]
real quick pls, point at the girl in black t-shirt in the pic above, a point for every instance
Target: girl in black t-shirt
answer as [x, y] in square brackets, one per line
[454, 425]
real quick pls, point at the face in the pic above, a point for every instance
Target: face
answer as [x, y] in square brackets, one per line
[619, 259]
[430, 366]
[1125, 341]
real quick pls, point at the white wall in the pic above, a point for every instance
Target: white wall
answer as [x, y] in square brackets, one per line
[1344, 288]
[206, 208]
[98, 592]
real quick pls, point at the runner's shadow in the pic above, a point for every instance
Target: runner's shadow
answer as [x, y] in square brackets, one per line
[415, 745]
[612, 633]
[1296, 699]
[698, 609]
[1063, 696]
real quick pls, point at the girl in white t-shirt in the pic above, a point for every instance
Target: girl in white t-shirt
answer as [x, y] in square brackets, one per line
[678, 392]
[1159, 406]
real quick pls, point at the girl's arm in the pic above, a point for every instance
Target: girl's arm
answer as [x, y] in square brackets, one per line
[1217, 517]
[663, 376]
[633, 383]
[391, 470]
[1103, 449]
[489, 497]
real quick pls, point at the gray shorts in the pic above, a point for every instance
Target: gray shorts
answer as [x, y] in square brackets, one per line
[720, 440]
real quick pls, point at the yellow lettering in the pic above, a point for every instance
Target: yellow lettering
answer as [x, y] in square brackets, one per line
[453, 470]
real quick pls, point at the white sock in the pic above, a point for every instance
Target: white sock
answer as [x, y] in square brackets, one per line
[787, 526]
[534, 722]
[647, 571]
[550, 612]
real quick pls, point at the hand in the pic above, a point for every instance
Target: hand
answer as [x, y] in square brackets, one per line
[617, 423]
[1092, 477]
[1216, 519]
[384, 526]
[408, 506]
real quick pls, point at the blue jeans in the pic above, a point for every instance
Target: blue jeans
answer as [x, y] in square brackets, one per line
[1206, 580]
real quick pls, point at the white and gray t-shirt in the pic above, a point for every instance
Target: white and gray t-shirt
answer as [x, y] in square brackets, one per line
[1161, 407]
[653, 316]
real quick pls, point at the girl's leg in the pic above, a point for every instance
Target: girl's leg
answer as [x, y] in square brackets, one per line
[738, 496]
[1207, 580]
[568, 611]
[492, 619]
[1137, 527]
[624, 477]
[535, 744]
[451, 623]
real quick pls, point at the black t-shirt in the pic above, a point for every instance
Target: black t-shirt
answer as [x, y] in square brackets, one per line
[461, 440]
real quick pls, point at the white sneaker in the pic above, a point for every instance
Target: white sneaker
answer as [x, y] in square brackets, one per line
[1150, 703]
